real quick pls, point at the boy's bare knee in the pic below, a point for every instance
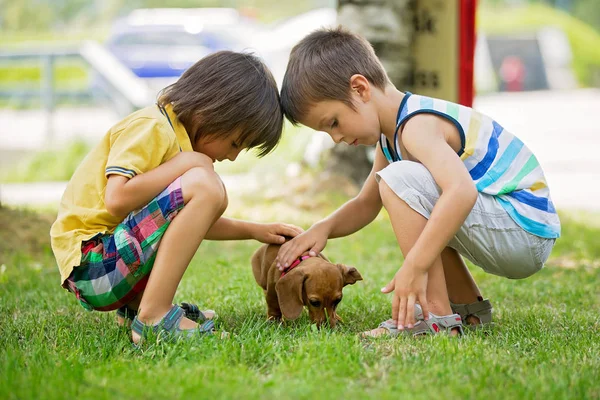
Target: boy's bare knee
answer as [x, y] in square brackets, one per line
[204, 183]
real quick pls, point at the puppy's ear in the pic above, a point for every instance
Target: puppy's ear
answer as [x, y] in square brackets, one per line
[289, 293]
[350, 274]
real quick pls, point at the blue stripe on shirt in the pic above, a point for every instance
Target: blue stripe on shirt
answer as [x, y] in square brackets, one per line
[531, 226]
[525, 197]
[478, 170]
[507, 158]
[121, 170]
[427, 102]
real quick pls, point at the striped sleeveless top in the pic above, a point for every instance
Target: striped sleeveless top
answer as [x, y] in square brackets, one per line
[499, 163]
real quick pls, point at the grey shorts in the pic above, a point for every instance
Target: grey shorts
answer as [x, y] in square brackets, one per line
[489, 237]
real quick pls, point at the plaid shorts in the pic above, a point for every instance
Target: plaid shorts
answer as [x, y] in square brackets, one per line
[115, 268]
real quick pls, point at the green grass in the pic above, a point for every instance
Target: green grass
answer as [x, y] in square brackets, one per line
[584, 39]
[545, 343]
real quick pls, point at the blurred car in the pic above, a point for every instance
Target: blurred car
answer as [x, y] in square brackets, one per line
[160, 44]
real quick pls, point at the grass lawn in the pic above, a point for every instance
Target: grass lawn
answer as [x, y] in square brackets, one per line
[545, 343]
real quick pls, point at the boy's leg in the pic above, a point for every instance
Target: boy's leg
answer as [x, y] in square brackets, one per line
[460, 284]
[205, 201]
[459, 281]
[408, 225]
[132, 305]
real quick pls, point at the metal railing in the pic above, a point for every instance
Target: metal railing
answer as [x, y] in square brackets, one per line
[125, 91]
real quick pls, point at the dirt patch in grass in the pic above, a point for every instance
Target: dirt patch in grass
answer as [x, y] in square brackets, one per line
[24, 232]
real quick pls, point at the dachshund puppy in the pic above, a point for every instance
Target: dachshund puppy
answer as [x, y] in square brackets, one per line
[310, 281]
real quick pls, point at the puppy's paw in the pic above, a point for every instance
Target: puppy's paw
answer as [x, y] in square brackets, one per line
[274, 318]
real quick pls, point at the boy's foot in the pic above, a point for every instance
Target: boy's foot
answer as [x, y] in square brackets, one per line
[451, 324]
[125, 315]
[172, 326]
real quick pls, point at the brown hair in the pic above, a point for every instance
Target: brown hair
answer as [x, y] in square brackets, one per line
[227, 92]
[320, 68]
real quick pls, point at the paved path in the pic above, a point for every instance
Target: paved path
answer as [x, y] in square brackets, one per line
[562, 129]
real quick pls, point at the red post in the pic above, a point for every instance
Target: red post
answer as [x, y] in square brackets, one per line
[466, 47]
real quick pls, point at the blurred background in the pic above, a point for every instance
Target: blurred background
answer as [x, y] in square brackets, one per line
[70, 69]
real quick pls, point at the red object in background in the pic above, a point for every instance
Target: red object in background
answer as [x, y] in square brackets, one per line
[512, 73]
[466, 51]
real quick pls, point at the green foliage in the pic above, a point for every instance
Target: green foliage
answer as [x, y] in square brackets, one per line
[585, 10]
[23, 74]
[47, 165]
[59, 165]
[584, 40]
[588, 11]
[544, 344]
[47, 15]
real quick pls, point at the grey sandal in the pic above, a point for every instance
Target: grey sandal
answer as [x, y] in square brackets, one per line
[435, 324]
[168, 327]
[481, 309]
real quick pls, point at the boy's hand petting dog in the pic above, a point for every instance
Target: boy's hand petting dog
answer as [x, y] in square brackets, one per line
[409, 286]
[313, 241]
[275, 233]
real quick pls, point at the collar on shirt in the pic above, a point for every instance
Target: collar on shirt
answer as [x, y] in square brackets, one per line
[182, 136]
[293, 265]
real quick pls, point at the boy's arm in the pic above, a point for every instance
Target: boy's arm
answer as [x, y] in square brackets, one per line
[124, 195]
[424, 139]
[234, 229]
[362, 209]
[349, 218]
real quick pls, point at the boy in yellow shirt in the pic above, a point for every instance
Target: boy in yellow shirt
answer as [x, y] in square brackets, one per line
[141, 202]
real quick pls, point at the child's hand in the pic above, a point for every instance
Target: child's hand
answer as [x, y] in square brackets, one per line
[409, 285]
[313, 240]
[275, 233]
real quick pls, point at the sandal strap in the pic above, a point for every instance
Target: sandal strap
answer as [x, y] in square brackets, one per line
[207, 326]
[169, 323]
[389, 324]
[481, 309]
[446, 322]
[193, 312]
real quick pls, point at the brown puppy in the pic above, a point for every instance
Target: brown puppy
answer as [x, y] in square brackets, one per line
[314, 282]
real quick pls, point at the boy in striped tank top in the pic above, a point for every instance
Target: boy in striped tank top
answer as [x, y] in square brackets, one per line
[454, 182]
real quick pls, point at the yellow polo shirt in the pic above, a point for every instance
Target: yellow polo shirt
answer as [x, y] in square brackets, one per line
[140, 142]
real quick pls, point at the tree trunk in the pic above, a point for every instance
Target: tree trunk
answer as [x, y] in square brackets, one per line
[388, 26]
